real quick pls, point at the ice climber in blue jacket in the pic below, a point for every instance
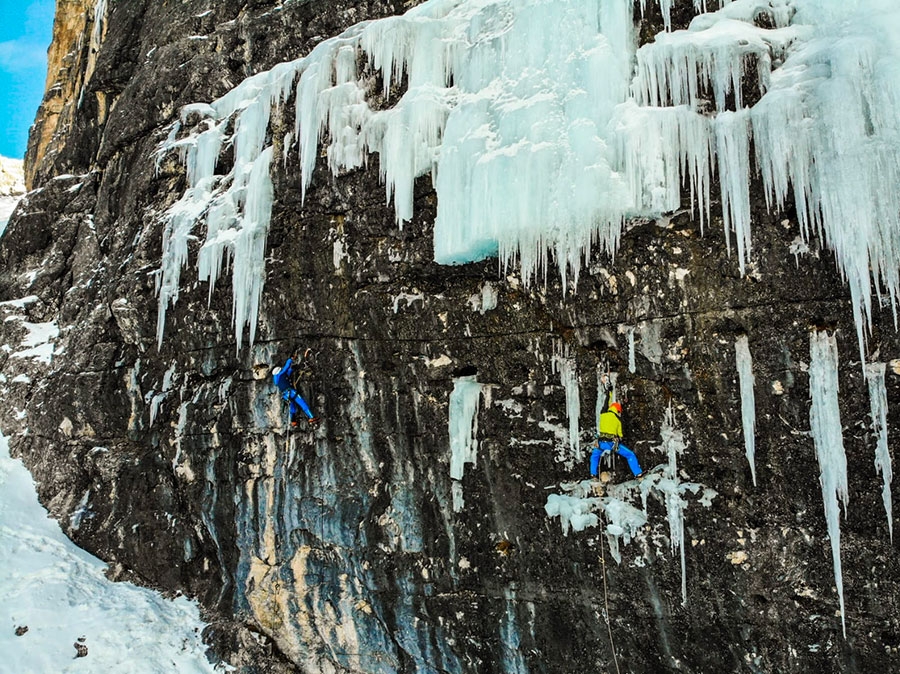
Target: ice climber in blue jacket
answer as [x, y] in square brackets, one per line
[282, 378]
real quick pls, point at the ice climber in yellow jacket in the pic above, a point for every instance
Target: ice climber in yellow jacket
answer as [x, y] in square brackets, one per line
[609, 435]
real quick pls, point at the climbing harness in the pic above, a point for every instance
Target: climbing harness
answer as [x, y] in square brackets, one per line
[609, 458]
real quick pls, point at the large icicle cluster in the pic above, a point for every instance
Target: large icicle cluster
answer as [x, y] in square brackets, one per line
[825, 425]
[542, 137]
[236, 206]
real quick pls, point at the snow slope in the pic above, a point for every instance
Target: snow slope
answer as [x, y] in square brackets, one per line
[58, 591]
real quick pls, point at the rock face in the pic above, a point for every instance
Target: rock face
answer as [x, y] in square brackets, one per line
[78, 28]
[348, 546]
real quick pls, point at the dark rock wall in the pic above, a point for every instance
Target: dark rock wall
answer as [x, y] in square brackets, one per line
[337, 548]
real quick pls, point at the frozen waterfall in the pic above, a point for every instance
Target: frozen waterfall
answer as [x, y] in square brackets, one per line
[544, 129]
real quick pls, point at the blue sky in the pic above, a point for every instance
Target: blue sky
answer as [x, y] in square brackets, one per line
[25, 31]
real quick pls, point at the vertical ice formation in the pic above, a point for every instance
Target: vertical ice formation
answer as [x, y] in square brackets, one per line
[748, 399]
[579, 508]
[236, 206]
[99, 27]
[463, 431]
[623, 521]
[669, 485]
[733, 143]
[98, 30]
[513, 661]
[825, 425]
[878, 403]
[568, 378]
[631, 363]
[543, 128]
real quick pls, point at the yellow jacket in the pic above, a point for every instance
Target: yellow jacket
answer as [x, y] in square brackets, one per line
[610, 424]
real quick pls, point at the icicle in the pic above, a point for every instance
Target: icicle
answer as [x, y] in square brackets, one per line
[678, 68]
[568, 378]
[673, 444]
[237, 206]
[463, 431]
[631, 363]
[825, 425]
[656, 147]
[541, 141]
[733, 151]
[748, 400]
[98, 31]
[878, 401]
[250, 248]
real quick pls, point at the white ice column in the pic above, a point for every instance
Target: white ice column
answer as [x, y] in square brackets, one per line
[825, 425]
[733, 151]
[748, 400]
[568, 378]
[463, 431]
[631, 363]
[878, 402]
[673, 444]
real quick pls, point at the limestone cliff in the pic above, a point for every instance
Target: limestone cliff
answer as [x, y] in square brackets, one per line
[355, 545]
[78, 29]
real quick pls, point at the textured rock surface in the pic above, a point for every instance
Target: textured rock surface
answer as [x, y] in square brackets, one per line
[337, 548]
[68, 71]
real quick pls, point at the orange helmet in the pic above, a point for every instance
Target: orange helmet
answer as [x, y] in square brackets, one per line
[615, 407]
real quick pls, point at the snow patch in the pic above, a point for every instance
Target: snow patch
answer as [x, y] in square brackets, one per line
[60, 593]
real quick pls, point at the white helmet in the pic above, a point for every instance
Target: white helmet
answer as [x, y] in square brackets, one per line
[276, 371]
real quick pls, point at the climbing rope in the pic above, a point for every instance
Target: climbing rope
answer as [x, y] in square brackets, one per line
[612, 645]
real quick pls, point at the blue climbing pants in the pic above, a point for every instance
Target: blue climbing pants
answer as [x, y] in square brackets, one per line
[623, 451]
[297, 403]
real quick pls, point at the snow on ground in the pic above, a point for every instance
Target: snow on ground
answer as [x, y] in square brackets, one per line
[58, 591]
[12, 187]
